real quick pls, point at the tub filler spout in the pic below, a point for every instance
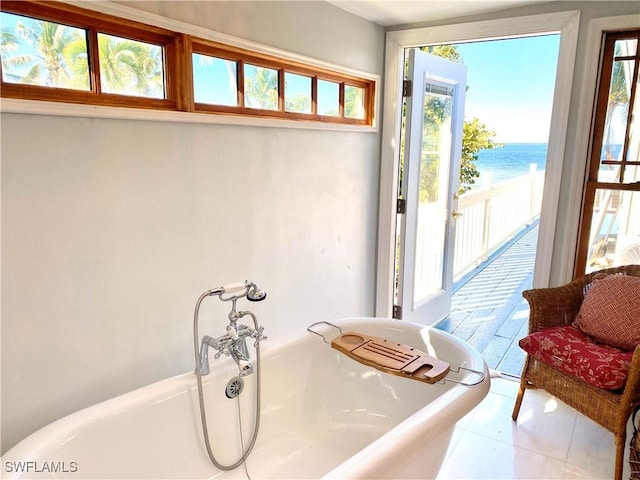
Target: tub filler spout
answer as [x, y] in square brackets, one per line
[232, 344]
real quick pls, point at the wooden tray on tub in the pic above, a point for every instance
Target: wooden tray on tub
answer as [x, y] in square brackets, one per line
[391, 357]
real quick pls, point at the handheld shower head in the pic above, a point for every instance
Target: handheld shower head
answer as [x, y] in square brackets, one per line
[254, 294]
[232, 291]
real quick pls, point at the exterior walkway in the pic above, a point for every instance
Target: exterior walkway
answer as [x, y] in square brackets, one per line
[488, 310]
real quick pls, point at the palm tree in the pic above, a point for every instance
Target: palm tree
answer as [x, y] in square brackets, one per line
[127, 67]
[299, 103]
[618, 102]
[61, 60]
[9, 44]
[77, 59]
[353, 102]
[130, 67]
[261, 88]
[49, 66]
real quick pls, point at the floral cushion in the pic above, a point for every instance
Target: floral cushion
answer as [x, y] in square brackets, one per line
[575, 353]
[610, 311]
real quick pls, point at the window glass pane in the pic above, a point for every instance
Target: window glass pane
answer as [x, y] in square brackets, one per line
[615, 229]
[612, 152]
[130, 67]
[631, 172]
[328, 98]
[435, 152]
[215, 80]
[260, 87]
[42, 53]
[353, 102]
[626, 47]
[297, 93]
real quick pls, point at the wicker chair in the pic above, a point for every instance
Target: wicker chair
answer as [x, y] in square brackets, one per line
[550, 307]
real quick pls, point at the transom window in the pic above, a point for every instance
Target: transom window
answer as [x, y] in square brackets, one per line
[59, 52]
[244, 82]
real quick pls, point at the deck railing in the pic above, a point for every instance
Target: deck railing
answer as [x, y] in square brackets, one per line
[491, 215]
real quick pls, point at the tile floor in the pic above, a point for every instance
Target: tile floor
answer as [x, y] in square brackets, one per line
[549, 441]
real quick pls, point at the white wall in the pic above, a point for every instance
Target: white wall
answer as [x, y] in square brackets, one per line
[111, 229]
[311, 27]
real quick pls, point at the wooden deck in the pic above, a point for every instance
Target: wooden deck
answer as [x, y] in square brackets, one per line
[488, 310]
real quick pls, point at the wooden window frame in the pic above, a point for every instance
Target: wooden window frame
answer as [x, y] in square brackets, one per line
[94, 23]
[242, 57]
[593, 184]
[178, 69]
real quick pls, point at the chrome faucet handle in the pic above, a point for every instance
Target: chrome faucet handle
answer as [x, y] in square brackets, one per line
[245, 331]
[258, 336]
[232, 331]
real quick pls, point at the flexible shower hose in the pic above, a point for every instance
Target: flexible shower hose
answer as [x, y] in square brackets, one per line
[203, 415]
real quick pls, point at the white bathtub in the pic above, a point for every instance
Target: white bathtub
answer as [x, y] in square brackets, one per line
[323, 416]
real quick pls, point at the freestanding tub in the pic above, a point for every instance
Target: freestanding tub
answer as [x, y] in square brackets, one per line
[324, 415]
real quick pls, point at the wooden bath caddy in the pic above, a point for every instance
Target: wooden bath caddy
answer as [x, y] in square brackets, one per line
[387, 356]
[391, 357]
[396, 358]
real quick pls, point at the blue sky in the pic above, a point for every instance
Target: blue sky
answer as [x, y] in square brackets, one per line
[510, 86]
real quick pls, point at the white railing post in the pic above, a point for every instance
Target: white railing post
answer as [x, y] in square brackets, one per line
[486, 223]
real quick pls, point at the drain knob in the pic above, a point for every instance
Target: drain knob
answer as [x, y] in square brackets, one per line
[234, 387]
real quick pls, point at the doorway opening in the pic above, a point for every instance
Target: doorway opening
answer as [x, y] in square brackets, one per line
[485, 255]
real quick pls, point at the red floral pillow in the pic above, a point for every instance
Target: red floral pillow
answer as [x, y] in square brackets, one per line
[610, 311]
[573, 352]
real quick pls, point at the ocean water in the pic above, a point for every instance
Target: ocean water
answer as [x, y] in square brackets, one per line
[509, 161]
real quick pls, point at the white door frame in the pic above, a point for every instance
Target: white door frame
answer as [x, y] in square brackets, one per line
[565, 23]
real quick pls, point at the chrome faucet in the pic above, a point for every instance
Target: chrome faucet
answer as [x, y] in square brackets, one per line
[234, 342]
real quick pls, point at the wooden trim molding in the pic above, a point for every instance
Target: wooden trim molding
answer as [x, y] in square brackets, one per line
[178, 48]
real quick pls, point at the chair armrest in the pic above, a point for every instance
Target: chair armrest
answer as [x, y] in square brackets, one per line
[631, 393]
[554, 306]
[633, 380]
